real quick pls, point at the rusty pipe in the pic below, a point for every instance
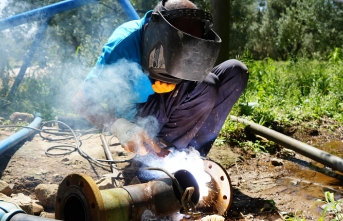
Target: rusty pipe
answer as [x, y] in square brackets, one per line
[78, 198]
[311, 152]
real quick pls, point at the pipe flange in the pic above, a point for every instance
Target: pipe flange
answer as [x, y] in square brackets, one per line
[78, 195]
[220, 194]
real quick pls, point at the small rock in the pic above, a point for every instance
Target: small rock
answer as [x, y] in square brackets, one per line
[21, 117]
[213, 218]
[65, 160]
[4, 197]
[294, 182]
[37, 208]
[24, 202]
[46, 194]
[29, 177]
[5, 188]
[276, 162]
[57, 177]
[47, 215]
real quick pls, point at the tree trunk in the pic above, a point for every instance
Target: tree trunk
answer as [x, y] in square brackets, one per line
[220, 10]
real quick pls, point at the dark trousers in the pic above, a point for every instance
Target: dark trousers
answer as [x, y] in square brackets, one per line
[194, 113]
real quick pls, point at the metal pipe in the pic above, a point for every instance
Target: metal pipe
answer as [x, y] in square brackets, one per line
[109, 156]
[10, 211]
[129, 10]
[315, 154]
[47, 12]
[26, 217]
[108, 153]
[78, 198]
[43, 13]
[14, 139]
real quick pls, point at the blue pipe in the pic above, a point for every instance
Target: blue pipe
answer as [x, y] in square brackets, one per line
[43, 13]
[20, 135]
[47, 12]
[129, 10]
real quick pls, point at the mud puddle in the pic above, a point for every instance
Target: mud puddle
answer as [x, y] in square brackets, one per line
[292, 187]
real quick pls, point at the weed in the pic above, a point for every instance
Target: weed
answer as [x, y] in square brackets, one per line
[269, 206]
[298, 216]
[331, 206]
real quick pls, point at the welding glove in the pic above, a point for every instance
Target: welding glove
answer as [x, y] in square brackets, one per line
[162, 87]
[134, 139]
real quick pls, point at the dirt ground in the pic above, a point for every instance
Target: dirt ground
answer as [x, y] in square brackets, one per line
[265, 186]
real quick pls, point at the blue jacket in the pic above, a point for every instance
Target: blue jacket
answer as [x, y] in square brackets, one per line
[117, 81]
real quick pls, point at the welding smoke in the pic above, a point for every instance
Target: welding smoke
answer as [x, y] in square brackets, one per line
[62, 58]
[122, 85]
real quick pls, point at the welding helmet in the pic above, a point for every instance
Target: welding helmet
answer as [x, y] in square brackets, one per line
[171, 55]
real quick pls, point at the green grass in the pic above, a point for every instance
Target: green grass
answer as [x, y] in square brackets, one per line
[288, 92]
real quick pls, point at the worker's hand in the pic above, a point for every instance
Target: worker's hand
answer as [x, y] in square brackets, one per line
[162, 87]
[134, 139]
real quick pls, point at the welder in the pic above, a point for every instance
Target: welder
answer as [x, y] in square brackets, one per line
[162, 66]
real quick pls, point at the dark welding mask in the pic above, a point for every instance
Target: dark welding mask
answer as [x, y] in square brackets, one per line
[172, 55]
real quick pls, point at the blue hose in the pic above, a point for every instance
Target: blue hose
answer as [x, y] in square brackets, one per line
[14, 139]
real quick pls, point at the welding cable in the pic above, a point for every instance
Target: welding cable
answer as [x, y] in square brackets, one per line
[115, 161]
[65, 147]
[78, 145]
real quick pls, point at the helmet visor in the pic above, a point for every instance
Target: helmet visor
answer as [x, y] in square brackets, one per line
[185, 51]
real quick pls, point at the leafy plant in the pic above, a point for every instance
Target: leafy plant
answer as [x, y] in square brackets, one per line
[298, 216]
[331, 205]
[336, 55]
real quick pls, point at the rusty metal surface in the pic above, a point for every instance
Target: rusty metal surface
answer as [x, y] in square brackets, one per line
[220, 194]
[157, 196]
[78, 198]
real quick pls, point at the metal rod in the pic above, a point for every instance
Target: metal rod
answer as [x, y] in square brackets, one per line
[108, 154]
[315, 154]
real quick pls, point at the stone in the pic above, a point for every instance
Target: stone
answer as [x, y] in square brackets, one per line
[21, 117]
[276, 162]
[37, 208]
[5, 188]
[46, 194]
[24, 202]
[4, 197]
